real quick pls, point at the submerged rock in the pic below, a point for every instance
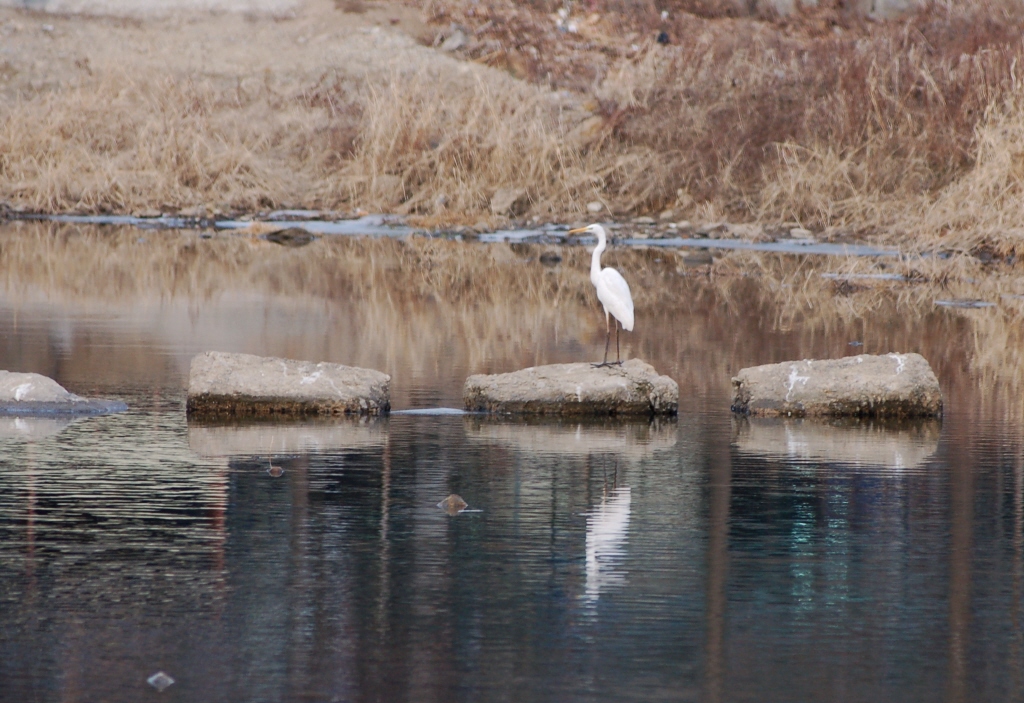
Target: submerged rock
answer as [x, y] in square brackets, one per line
[25, 394]
[222, 384]
[453, 504]
[634, 388]
[893, 385]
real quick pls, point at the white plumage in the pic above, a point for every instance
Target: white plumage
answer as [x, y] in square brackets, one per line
[612, 290]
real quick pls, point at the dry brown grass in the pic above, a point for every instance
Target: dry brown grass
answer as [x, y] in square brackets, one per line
[126, 142]
[908, 130]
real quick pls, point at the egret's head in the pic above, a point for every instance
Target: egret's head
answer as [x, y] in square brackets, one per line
[595, 230]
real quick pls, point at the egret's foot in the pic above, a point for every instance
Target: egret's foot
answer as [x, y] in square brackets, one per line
[607, 363]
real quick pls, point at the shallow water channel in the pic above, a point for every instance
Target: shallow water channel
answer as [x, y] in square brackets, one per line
[708, 558]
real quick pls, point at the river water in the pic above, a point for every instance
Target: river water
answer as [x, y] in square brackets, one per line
[708, 558]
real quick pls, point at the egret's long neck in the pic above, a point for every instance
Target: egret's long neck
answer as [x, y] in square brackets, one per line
[595, 259]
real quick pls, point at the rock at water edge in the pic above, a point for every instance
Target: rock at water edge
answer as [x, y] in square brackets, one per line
[634, 388]
[26, 394]
[223, 384]
[890, 385]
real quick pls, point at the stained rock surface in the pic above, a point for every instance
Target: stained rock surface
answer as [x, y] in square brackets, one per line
[634, 388]
[26, 394]
[889, 385]
[222, 384]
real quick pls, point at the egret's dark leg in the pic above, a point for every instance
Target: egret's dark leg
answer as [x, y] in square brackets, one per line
[618, 357]
[607, 341]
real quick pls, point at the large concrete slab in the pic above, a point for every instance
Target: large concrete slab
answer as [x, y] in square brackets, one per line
[224, 385]
[890, 385]
[634, 388]
[26, 394]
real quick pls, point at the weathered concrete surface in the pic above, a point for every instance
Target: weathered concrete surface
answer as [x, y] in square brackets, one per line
[891, 385]
[25, 394]
[634, 388]
[222, 384]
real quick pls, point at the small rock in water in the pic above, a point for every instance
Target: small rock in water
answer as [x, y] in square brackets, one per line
[643, 220]
[291, 237]
[160, 681]
[594, 207]
[453, 504]
[275, 471]
[551, 258]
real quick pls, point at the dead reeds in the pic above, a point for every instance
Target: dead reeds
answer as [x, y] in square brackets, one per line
[907, 130]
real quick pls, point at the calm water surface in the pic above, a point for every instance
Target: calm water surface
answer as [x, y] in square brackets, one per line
[708, 558]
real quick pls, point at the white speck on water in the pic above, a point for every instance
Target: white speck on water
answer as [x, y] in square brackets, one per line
[794, 378]
[160, 681]
[22, 390]
[901, 360]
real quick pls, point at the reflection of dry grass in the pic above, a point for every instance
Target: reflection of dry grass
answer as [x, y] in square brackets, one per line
[421, 308]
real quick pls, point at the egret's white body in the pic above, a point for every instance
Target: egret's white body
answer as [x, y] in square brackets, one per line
[612, 289]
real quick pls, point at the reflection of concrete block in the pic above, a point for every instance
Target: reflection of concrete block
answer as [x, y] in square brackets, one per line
[627, 440]
[222, 384]
[634, 388]
[902, 444]
[264, 438]
[33, 428]
[893, 385]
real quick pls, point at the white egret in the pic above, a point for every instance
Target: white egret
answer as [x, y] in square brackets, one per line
[612, 291]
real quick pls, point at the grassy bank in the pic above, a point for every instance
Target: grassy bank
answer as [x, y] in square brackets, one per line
[909, 131]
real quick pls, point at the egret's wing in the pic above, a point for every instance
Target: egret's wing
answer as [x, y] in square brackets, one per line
[615, 296]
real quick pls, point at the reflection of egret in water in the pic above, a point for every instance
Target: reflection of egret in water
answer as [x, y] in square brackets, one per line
[607, 528]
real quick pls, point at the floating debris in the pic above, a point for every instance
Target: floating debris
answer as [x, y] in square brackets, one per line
[856, 344]
[275, 471]
[964, 304]
[453, 504]
[160, 681]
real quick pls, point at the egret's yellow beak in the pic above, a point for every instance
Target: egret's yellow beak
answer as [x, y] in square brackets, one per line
[577, 230]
